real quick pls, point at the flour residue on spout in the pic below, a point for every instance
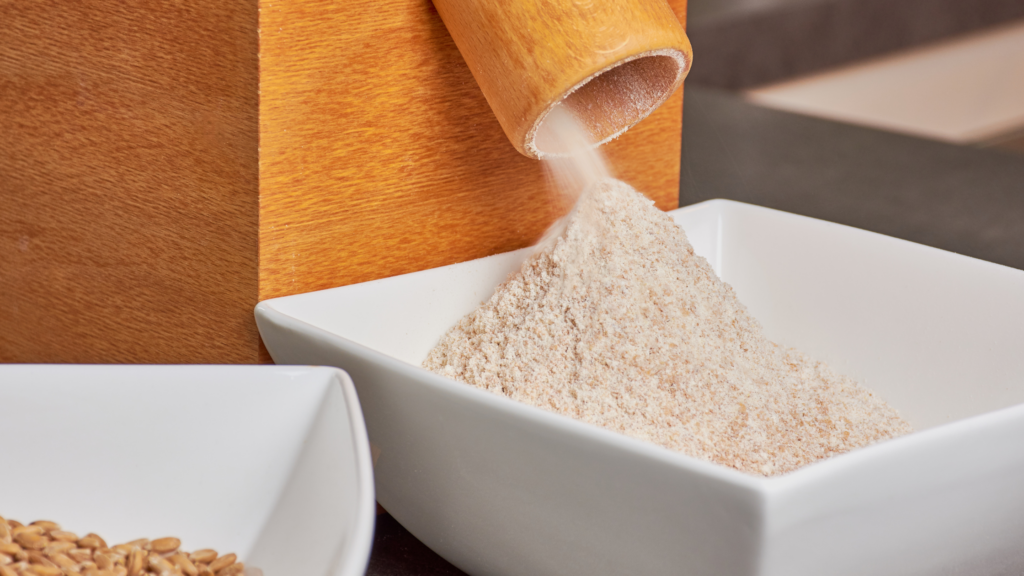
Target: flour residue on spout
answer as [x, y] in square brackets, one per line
[615, 321]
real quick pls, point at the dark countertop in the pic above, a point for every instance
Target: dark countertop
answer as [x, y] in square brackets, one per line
[396, 552]
[956, 198]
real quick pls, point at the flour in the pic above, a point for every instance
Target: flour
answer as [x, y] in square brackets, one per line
[616, 322]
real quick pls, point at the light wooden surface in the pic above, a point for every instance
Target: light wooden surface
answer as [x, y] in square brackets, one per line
[380, 155]
[128, 181]
[163, 167]
[528, 55]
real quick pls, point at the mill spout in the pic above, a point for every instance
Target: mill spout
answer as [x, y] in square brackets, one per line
[610, 63]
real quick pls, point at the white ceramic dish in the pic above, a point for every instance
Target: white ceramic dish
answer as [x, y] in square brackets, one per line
[502, 488]
[269, 462]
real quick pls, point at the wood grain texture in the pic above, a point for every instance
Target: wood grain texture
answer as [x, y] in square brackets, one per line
[528, 55]
[380, 155]
[150, 194]
[128, 181]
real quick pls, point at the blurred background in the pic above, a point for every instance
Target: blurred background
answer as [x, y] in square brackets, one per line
[903, 117]
[941, 69]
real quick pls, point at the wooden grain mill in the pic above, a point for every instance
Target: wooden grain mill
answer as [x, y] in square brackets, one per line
[166, 164]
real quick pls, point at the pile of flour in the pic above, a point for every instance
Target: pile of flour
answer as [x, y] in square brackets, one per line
[618, 323]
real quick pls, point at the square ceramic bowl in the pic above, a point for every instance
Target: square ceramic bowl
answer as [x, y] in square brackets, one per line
[497, 487]
[268, 462]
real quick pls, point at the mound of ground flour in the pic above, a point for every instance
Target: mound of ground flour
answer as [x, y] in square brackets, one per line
[618, 323]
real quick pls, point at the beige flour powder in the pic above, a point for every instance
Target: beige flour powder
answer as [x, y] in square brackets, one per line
[618, 323]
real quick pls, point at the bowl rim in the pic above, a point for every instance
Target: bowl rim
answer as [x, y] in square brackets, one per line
[765, 487]
[353, 554]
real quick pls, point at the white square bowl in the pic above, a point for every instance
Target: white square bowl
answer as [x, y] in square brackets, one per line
[498, 487]
[268, 462]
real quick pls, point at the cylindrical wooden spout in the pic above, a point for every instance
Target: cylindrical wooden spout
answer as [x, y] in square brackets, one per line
[610, 62]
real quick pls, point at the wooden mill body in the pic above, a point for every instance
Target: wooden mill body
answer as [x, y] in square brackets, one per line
[166, 164]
